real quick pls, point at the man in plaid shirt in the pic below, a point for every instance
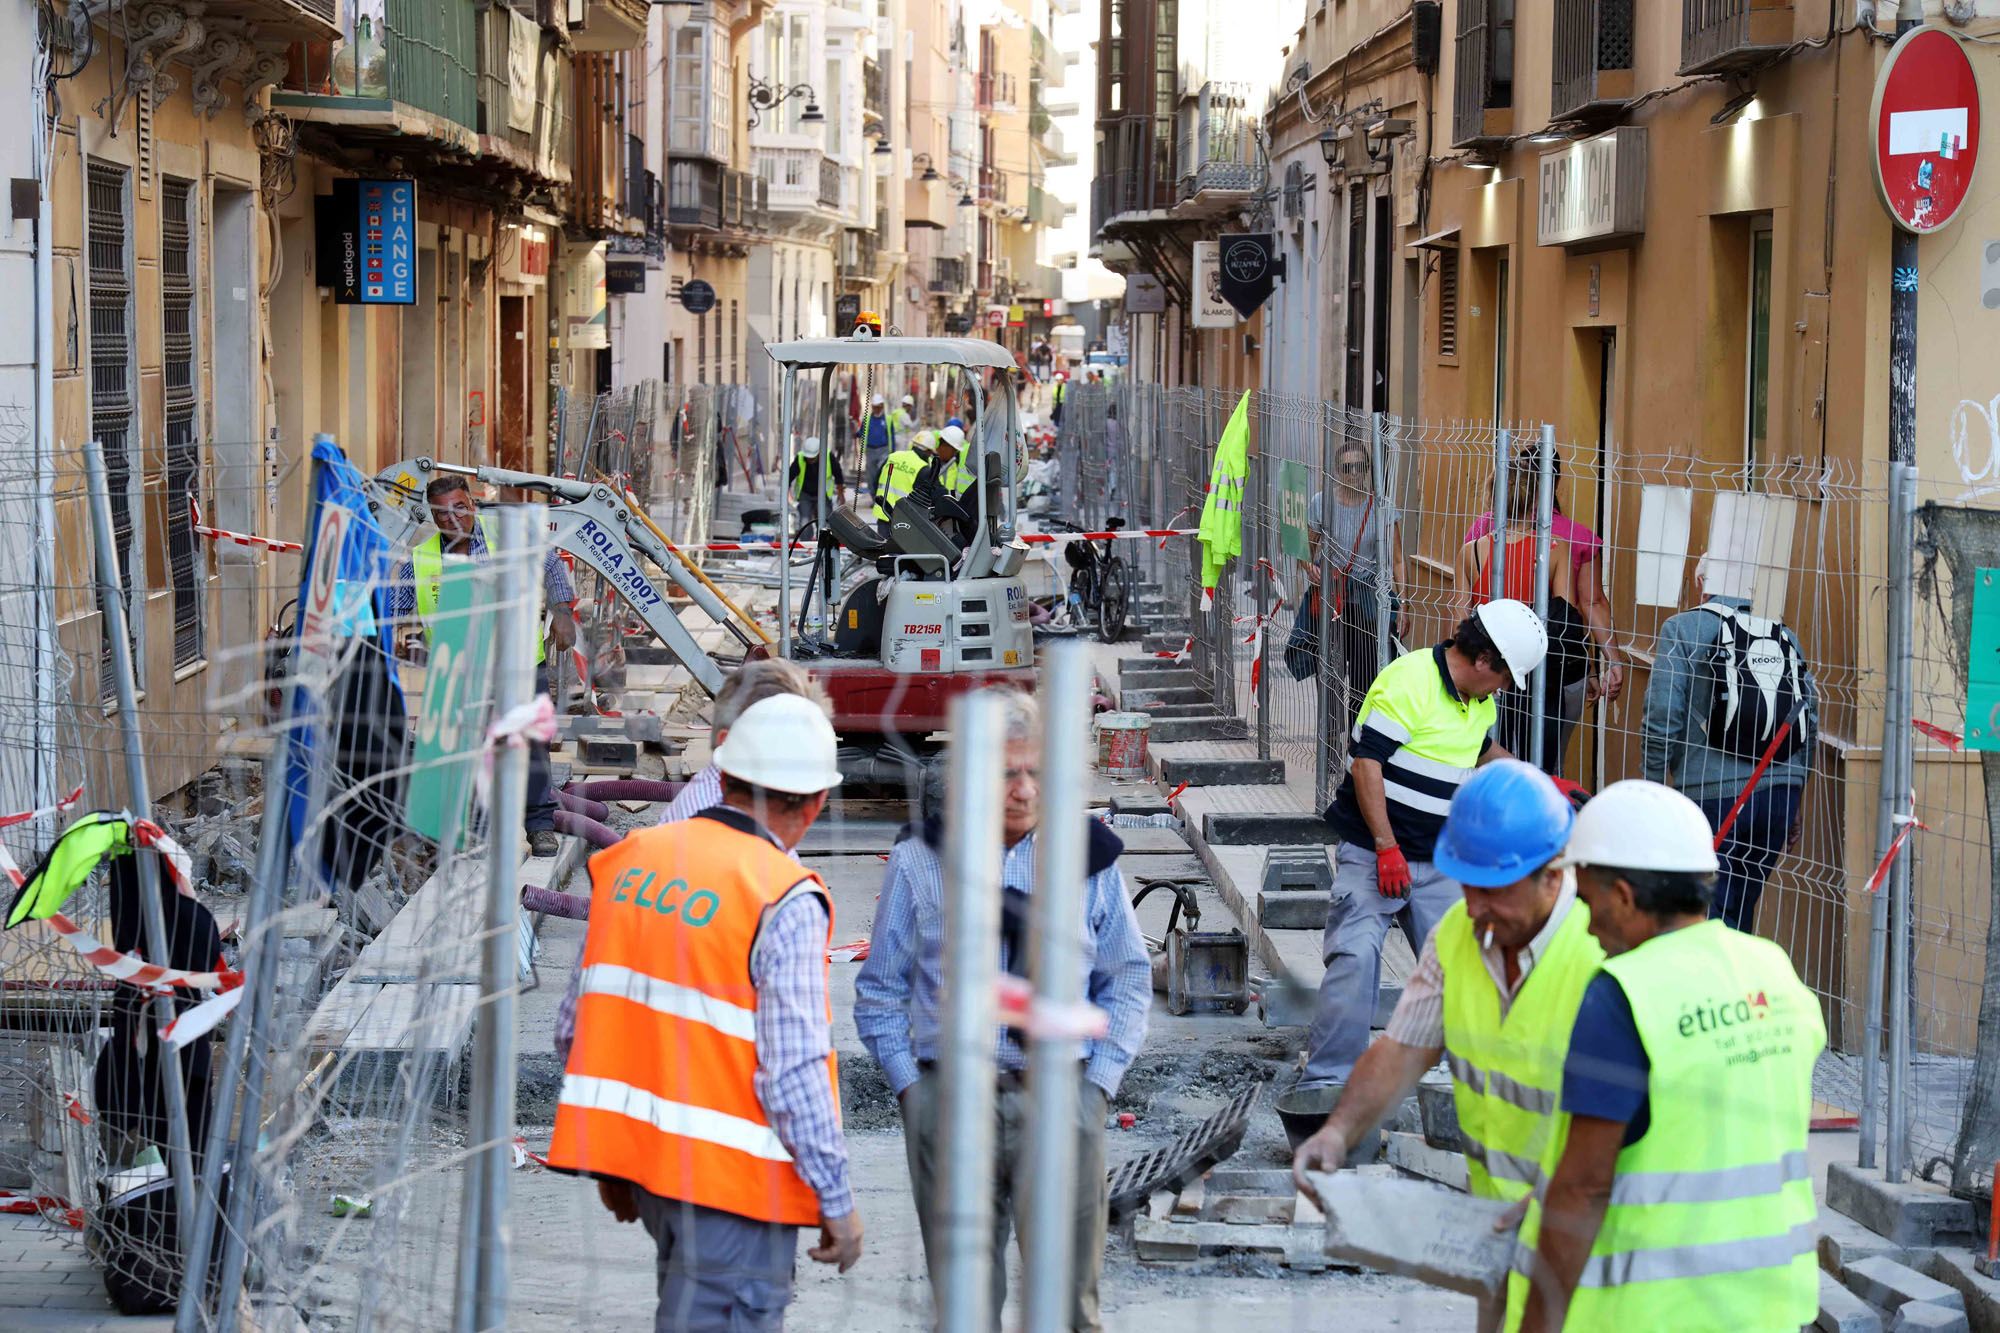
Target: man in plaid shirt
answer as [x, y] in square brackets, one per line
[898, 1013]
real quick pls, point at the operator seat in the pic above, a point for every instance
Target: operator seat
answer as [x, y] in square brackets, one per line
[857, 536]
[915, 533]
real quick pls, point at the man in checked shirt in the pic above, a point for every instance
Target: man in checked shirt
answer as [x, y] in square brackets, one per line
[897, 1012]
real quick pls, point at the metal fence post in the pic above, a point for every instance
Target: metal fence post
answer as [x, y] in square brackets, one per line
[111, 597]
[971, 923]
[1258, 484]
[1057, 970]
[1545, 500]
[1326, 682]
[785, 516]
[1503, 444]
[1378, 448]
[1888, 961]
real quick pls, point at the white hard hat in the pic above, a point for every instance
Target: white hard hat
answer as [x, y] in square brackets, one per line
[1639, 825]
[952, 436]
[1518, 633]
[908, 401]
[878, 400]
[783, 743]
[811, 446]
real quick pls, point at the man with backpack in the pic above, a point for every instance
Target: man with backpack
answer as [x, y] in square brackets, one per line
[1729, 688]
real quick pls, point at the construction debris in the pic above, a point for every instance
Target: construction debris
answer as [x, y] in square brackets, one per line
[1435, 1235]
[1174, 1165]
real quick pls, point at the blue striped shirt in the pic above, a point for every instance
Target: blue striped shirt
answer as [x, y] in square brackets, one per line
[897, 1007]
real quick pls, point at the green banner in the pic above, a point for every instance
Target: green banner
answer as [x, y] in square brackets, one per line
[458, 693]
[1982, 676]
[1294, 502]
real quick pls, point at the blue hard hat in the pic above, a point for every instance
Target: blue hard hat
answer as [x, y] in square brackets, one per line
[956, 422]
[1507, 821]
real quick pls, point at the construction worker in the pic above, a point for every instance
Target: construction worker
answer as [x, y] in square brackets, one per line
[1469, 1000]
[897, 1012]
[905, 417]
[1682, 1197]
[816, 472]
[699, 1086]
[897, 477]
[879, 436]
[463, 531]
[1056, 397]
[943, 484]
[1423, 728]
[748, 685]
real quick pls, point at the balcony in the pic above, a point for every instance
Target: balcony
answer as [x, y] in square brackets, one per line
[874, 92]
[1719, 36]
[947, 276]
[1592, 67]
[1044, 209]
[601, 163]
[993, 186]
[408, 69]
[532, 134]
[800, 180]
[609, 25]
[1482, 108]
[858, 250]
[996, 94]
[1217, 151]
[1132, 171]
[705, 196]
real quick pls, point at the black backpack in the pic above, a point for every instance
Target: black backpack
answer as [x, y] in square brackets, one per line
[1759, 685]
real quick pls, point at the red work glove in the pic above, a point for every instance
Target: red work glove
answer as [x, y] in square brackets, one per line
[1392, 873]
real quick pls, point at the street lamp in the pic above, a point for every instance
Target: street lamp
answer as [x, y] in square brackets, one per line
[930, 176]
[1333, 143]
[764, 96]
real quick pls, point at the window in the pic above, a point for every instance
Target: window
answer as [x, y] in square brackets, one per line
[831, 105]
[1447, 303]
[1500, 345]
[1484, 79]
[112, 405]
[178, 213]
[698, 104]
[1757, 373]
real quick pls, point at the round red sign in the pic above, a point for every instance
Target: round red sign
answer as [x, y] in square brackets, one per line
[1926, 119]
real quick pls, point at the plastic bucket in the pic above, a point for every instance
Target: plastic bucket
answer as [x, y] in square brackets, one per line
[1121, 744]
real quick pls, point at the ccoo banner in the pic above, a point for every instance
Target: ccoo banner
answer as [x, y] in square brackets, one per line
[1249, 266]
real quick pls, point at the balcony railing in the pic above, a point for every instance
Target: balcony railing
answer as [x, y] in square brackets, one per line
[704, 194]
[1044, 208]
[800, 179]
[1718, 36]
[857, 255]
[875, 90]
[992, 185]
[829, 184]
[947, 276]
[1132, 169]
[422, 53]
[1219, 151]
[1592, 73]
[544, 145]
[1483, 93]
[996, 92]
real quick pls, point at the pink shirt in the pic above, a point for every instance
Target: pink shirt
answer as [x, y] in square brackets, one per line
[1583, 543]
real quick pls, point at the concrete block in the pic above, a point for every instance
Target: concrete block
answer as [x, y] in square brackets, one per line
[607, 752]
[1222, 772]
[1164, 712]
[1138, 801]
[1144, 700]
[1912, 1214]
[1168, 731]
[1409, 1153]
[1841, 1311]
[1285, 909]
[1890, 1285]
[1920, 1318]
[1844, 1241]
[1239, 830]
[1286, 1004]
[1962, 1270]
[1435, 1235]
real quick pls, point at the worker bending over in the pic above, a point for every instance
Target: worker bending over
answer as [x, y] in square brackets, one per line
[1470, 1001]
[699, 1085]
[1424, 726]
[1682, 1198]
[898, 1002]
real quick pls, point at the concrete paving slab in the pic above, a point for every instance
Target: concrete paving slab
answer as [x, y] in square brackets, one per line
[1222, 772]
[1917, 1318]
[1912, 1213]
[1883, 1282]
[1841, 1311]
[1420, 1230]
[1959, 1270]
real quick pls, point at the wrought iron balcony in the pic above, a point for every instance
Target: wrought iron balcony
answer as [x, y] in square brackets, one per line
[694, 194]
[947, 276]
[1132, 169]
[992, 186]
[1483, 89]
[420, 53]
[1219, 150]
[996, 92]
[858, 250]
[1718, 36]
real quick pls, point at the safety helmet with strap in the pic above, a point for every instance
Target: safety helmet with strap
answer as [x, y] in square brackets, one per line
[1506, 822]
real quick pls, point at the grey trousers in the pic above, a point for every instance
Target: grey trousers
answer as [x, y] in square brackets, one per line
[922, 1107]
[717, 1272]
[1356, 923]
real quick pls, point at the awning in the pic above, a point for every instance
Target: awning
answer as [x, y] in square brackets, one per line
[1438, 240]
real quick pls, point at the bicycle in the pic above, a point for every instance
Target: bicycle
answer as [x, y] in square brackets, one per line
[1100, 580]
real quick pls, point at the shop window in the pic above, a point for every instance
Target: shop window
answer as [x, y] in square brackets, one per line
[179, 213]
[1757, 351]
[112, 374]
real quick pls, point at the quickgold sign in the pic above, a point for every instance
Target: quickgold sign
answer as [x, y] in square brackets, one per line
[1594, 191]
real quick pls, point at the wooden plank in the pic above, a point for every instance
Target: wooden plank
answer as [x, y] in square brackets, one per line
[360, 1017]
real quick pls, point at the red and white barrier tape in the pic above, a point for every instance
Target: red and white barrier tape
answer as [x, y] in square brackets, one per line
[1022, 1010]
[1255, 637]
[8, 821]
[1907, 823]
[239, 538]
[1046, 538]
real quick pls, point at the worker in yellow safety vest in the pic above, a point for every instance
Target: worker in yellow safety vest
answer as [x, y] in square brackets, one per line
[699, 1082]
[1680, 1195]
[463, 531]
[1471, 1000]
[897, 476]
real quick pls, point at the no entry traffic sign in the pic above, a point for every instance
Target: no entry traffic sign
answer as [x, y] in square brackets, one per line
[1926, 120]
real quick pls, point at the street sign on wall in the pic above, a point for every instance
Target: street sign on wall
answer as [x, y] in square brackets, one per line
[1250, 269]
[366, 237]
[1144, 295]
[1925, 118]
[697, 297]
[1211, 308]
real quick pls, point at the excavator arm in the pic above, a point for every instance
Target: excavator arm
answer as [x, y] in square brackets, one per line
[590, 522]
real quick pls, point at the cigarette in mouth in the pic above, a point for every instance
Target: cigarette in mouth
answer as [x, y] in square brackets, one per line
[1489, 937]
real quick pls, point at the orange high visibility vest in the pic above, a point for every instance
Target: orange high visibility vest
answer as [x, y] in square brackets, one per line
[658, 1089]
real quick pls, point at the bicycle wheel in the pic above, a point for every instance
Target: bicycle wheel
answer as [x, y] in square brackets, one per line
[1114, 595]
